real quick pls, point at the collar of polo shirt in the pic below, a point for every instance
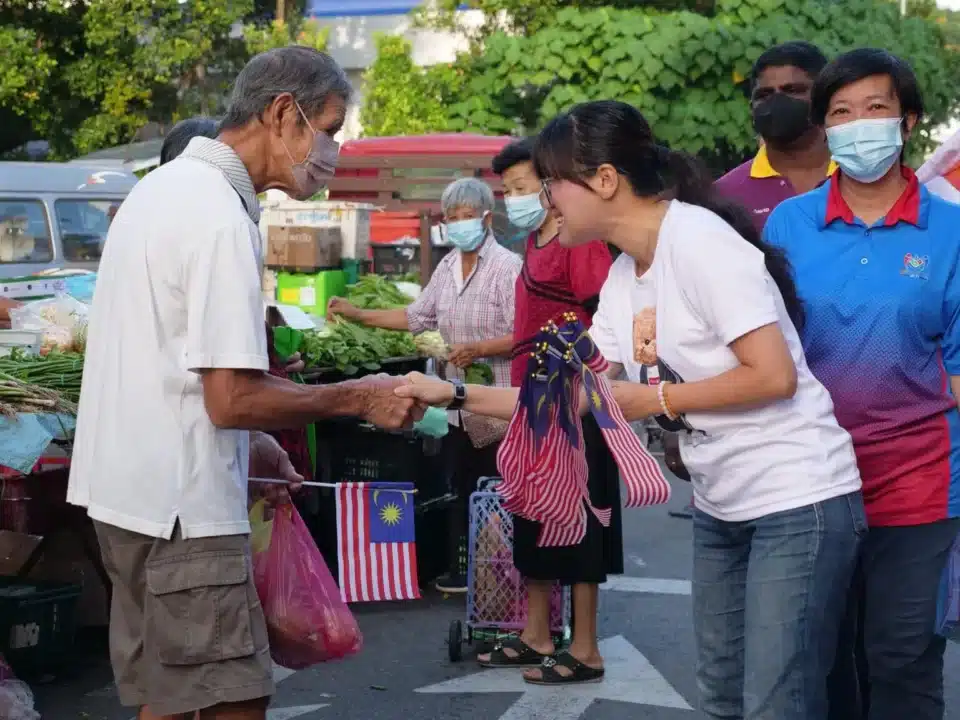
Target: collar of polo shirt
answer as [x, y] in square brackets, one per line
[761, 167]
[911, 207]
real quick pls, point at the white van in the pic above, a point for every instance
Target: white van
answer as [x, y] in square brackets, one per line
[56, 215]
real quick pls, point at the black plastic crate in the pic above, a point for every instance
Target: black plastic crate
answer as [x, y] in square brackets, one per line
[393, 366]
[394, 260]
[365, 454]
[38, 621]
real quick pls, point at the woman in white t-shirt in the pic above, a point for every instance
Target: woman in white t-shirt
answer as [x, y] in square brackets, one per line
[701, 315]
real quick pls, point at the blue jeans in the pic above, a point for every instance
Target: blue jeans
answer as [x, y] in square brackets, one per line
[889, 662]
[768, 599]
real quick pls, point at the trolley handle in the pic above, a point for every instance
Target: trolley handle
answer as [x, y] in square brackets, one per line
[486, 484]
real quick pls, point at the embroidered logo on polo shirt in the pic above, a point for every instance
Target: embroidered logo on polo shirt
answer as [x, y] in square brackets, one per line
[915, 266]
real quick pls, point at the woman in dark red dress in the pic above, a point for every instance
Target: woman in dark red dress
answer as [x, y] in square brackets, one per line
[556, 280]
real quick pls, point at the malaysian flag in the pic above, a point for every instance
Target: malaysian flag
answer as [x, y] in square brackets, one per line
[376, 548]
[542, 457]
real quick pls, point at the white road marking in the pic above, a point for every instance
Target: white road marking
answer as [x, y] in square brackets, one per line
[292, 712]
[630, 678]
[652, 586]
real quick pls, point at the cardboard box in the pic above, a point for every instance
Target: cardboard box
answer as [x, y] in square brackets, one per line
[304, 248]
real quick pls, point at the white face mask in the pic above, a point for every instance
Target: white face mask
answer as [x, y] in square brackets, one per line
[320, 164]
[866, 149]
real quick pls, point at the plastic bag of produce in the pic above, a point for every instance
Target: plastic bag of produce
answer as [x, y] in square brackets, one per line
[307, 621]
[60, 320]
[16, 699]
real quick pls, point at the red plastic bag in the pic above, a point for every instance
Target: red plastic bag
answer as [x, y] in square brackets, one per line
[307, 621]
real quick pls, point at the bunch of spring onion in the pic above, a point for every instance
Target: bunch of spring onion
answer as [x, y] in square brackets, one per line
[55, 372]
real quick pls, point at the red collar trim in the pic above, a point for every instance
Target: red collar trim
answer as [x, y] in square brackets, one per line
[905, 209]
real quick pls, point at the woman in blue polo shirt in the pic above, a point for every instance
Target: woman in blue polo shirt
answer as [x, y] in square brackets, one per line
[876, 259]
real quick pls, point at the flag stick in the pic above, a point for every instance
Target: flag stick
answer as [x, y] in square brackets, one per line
[310, 483]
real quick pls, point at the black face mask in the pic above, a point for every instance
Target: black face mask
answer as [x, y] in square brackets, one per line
[781, 119]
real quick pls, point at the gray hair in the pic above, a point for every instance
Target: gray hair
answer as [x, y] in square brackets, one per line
[309, 75]
[467, 192]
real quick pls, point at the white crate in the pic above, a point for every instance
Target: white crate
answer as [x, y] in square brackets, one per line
[25, 340]
[353, 219]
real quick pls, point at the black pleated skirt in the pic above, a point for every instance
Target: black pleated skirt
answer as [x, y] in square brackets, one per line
[600, 553]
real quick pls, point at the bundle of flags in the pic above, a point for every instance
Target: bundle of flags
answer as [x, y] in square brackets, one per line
[542, 458]
[376, 546]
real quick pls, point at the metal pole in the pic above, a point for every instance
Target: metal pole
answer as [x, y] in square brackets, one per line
[903, 8]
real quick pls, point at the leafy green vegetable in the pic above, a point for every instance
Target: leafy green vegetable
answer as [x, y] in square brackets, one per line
[373, 292]
[479, 374]
[349, 346]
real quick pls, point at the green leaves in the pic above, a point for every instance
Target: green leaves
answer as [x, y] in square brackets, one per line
[401, 98]
[688, 72]
[97, 72]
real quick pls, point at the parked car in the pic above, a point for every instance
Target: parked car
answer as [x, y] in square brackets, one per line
[56, 215]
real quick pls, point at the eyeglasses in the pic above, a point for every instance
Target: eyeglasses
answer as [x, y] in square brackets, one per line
[547, 194]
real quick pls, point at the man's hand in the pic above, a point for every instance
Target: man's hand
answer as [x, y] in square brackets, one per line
[464, 355]
[269, 460]
[294, 364]
[383, 407]
[427, 391]
[339, 306]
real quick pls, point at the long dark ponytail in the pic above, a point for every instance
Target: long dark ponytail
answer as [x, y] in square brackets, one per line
[574, 144]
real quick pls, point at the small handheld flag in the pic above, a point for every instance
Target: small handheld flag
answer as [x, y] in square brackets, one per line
[376, 547]
[542, 457]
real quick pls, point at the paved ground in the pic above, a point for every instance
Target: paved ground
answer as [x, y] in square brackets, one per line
[403, 671]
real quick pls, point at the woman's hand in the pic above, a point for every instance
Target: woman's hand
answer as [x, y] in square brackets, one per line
[637, 401]
[339, 306]
[463, 355]
[294, 364]
[427, 391]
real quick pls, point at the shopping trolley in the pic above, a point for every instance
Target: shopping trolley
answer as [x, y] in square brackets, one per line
[496, 597]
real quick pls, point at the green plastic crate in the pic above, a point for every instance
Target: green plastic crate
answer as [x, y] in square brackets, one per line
[38, 621]
[310, 291]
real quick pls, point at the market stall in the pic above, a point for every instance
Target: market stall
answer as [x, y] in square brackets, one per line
[353, 451]
[50, 569]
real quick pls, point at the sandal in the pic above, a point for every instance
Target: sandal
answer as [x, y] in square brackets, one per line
[579, 673]
[526, 656]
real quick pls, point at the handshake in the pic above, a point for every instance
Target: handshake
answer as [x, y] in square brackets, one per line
[394, 402]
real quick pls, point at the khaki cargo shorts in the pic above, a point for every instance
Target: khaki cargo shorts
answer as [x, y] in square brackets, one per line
[186, 627]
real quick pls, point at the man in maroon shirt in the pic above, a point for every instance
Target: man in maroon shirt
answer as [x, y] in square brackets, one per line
[793, 156]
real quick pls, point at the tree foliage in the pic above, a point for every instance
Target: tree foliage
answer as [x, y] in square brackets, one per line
[526, 17]
[89, 74]
[401, 98]
[278, 33]
[687, 72]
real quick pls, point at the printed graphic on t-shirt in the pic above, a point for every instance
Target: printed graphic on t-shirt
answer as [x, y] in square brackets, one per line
[653, 369]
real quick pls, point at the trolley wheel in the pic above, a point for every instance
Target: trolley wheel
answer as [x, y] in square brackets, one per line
[455, 641]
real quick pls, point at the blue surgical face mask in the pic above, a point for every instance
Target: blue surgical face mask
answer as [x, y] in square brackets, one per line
[865, 150]
[466, 235]
[525, 212]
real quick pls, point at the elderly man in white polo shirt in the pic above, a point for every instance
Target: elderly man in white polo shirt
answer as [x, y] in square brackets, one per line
[176, 388]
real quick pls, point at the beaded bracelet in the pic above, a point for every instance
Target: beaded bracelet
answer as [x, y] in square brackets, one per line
[664, 402]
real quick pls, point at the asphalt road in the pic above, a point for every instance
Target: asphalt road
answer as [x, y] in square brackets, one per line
[403, 670]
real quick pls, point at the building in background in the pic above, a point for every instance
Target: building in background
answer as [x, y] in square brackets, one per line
[353, 24]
